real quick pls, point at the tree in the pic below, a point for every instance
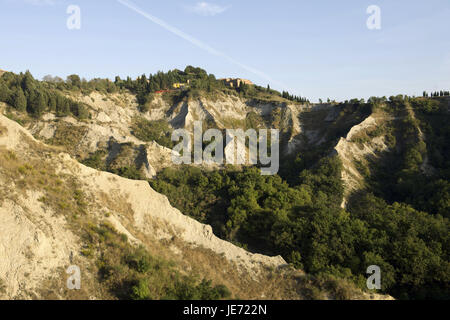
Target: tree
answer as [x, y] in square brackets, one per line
[19, 101]
[62, 106]
[52, 102]
[28, 83]
[37, 103]
[74, 80]
[4, 92]
[78, 110]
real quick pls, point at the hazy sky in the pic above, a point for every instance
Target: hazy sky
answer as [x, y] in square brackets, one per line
[315, 48]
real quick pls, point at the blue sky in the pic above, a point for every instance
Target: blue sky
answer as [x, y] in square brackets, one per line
[318, 49]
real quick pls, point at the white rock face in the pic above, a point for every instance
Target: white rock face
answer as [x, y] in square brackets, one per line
[34, 242]
[103, 117]
[157, 158]
[368, 123]
[112, 117]
[351, 152]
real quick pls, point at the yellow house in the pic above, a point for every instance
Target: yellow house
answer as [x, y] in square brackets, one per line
[179, 85]
[235, 83]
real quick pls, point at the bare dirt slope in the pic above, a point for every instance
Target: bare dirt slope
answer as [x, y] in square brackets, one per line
[41, 193]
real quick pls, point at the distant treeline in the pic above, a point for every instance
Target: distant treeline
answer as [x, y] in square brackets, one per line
[194, 79]
[437, 94]
[291, 97]
[27, 94]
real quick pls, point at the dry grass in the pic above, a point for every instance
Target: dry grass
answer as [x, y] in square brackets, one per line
[272, 284]
[35, 170]
[62, 193]
[21, 118]
[233, 123]
[68, 136]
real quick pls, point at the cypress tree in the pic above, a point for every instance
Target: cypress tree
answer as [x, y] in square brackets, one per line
[28, 85]
[4, 92]
[19, 101]
[37, 103]
[52, 102]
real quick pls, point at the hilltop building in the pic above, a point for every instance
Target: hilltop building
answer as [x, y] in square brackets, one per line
[179, 85]
[235, 83]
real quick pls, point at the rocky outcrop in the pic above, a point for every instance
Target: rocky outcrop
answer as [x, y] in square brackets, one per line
[353, 152]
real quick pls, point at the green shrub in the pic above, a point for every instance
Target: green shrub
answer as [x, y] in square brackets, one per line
[141, 290]
[96, 160]
[158, 130]
[140, 261]
[129, 172]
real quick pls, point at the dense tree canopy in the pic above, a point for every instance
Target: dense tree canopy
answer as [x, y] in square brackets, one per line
[399, 222]
[24, 93]
[306, 225]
